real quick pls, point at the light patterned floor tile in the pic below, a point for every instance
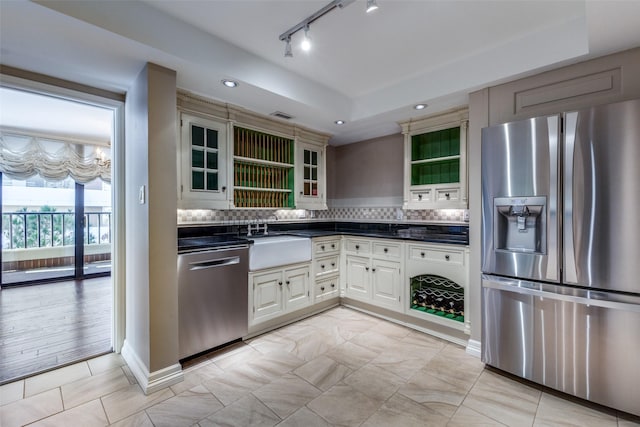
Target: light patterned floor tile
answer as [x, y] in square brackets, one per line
[104, 363]
[554, 411]
[466, 417]
[31, 409]
[235, 384]
[129, 400]
[276, 364]
[440, 395]
[197, 376]
[11, 392]
[90, 414]
[271, 342]
[246, 412]
[402, 411]
[323, 372]
[352, 355]
[376, 383]
[304, 417]
[375, 341]
[235, 355]
[503, 399]
[286, 395]
[185, 409]
[401, 362]
[94, 387]
[344, 405]
[53, 379]
[139, 419]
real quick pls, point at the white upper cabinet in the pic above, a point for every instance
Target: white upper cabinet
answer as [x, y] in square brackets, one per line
[204, 160]
[310, 176]
[435, 161]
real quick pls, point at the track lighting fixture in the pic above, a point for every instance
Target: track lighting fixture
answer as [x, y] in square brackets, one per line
[306, 41]
[304, 24]
[287, 49]
[371, 5]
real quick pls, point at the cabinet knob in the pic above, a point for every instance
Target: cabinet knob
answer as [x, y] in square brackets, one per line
[333, 246]
[322, 266]
[322, 288]
[373, 269]
[447, 257]
[446, 195]
[386, 250]
[224, 189]
[333, 285]
[366, 268]
[301, 193]
[357, 246]
[333, 264]
[280, 283]
[419, 196]
[422, 254]
[288, 282]
[322, 247]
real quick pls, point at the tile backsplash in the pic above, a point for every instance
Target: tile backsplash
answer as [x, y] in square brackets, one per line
[389, 214]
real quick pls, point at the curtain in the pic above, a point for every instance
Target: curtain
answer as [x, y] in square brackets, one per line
[24, 156]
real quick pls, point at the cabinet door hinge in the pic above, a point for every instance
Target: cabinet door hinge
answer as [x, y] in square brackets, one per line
[308, 293]
[181, 124]
[254, 308]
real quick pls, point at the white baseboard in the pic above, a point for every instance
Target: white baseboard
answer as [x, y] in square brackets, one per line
[151, 382]
[474, 348]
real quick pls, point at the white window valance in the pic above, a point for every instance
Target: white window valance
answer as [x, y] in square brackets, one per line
[24, 156]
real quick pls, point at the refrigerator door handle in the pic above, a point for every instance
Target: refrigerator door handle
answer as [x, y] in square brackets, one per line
[569, 270]
[578, 296]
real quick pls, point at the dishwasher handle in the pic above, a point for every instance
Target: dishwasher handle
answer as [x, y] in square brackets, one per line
[213, 263]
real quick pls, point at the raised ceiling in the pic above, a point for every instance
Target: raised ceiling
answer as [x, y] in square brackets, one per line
[367, 69]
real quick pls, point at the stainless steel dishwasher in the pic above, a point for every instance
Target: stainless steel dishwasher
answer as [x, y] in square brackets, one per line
[212, 297]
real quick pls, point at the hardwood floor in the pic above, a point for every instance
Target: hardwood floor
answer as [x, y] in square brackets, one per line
[54, 324]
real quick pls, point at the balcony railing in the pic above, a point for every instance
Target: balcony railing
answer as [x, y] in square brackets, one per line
[24, 230]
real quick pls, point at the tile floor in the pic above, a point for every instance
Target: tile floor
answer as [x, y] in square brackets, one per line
[341, 368]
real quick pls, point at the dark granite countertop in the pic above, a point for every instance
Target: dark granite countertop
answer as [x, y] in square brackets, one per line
[214, 236]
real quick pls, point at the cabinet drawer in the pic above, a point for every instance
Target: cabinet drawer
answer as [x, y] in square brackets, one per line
[391, 249]
[438, 255]
[326, 288]
[357, 246]
[326, 265]
[326, 246]
[448, 195]
[421, 195]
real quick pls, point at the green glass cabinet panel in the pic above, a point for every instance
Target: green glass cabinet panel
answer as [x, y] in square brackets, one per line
[314, 174]
[197, 158]
[212, 160]
[212, 138]
[431, 145]
[212, 180]
[314, 158]
[438, 172]
[197, 136]
[197, 180]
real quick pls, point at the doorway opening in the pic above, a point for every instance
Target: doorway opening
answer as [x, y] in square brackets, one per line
[56, 292]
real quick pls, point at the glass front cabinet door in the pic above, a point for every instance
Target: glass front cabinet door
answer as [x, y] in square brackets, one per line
[435, 171]
[310, 176]
[203, 163]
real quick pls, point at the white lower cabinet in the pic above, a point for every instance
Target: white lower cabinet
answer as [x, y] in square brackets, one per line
[358, 282]
[326, 288]
[275, 292]
[373, 272]
[385, 283]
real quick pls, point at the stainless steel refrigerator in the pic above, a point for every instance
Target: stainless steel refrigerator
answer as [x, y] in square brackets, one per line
[561, 252]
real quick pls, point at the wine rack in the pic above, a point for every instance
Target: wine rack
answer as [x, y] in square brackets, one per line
[437, 295]
[263, 170]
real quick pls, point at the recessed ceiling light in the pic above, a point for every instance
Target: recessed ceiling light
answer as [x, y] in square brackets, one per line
[420, 106]
[339, 122]
[230, 83]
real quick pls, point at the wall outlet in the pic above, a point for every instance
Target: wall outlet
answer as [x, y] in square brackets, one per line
[399, 214]
[465, 215]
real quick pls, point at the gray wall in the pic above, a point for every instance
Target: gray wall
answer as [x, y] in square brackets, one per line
[370, 169]
[151, 235]
[603, 80]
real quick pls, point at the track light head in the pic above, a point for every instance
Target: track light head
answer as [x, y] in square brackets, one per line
[371, 5]
[288, 53]
[306, 41]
